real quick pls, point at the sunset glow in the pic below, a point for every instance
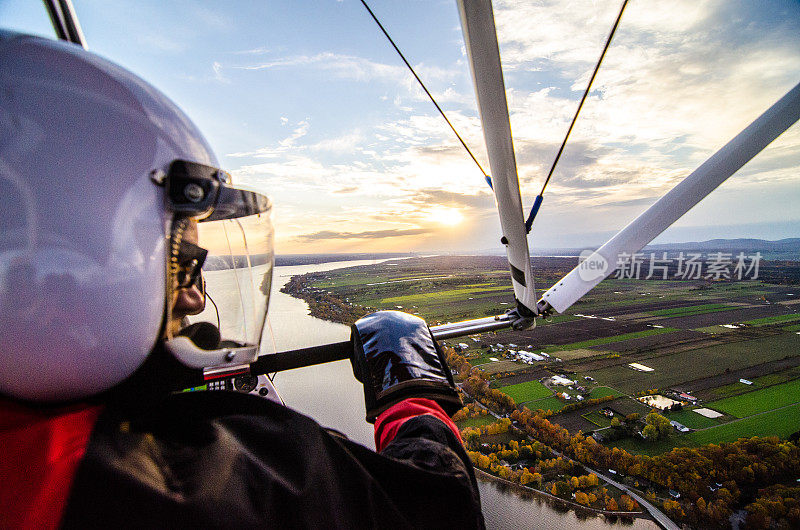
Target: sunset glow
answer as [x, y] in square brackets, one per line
[446, 216]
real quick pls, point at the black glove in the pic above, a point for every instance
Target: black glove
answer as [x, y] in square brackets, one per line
[396, 357]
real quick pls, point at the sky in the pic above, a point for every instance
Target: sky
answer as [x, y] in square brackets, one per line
[307, 101]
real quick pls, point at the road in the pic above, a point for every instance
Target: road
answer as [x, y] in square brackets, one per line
[657, 514]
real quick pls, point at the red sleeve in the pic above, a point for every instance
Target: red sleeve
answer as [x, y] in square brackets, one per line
[390, 421]
[41, 452]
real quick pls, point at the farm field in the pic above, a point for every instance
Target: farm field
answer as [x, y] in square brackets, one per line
[685, 366]
[476, 422]
[759, 400]
[693, 420]
[551, 403]
[692, 310]
[781, 423]
[772, 320]
[523, 392]
[597, 419]
[606, 340]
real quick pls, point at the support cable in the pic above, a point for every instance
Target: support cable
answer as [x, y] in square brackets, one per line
[485, 175]
[538, 202]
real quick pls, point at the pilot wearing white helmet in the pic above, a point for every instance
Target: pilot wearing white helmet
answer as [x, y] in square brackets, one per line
[129, 262]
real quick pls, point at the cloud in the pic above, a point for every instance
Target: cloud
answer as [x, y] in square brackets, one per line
[262, 50]
[371, 234]
[217, 67]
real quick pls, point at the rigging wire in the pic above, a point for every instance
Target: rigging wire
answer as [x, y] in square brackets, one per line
[485, 175]
[538, 202]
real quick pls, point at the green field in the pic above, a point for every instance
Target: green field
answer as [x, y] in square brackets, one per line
[692, 310]
[597, 418]
[603, 391]
[476, 422]
[772, 320]
[452, 295]
[795, 327]
[528, 391]
[703, 362]
[692, 419]
[759, 400]
[550, 403]
[781, 423]
[483, 359]
[608, 340]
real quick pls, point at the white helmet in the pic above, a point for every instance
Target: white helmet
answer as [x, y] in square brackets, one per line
[101, 175]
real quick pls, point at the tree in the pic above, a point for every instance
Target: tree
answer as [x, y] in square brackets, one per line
[627, 504]
[582, 498]
[650, 433]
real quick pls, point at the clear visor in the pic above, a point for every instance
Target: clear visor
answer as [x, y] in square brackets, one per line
[237, 277]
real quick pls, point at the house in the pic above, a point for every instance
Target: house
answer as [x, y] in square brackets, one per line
[678, 426]
[529, 357]
[463, 345]
[674, 494]
[687, 397]
[561, 380]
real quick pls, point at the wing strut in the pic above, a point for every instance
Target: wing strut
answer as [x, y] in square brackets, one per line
[65, 21]
[480, 36]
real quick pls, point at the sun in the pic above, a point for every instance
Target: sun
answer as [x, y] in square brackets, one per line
[446, 216]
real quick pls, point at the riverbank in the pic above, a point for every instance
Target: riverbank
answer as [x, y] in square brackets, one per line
[580, 508]
[321, 304]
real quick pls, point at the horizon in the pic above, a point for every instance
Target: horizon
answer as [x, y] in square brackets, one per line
[309, 104]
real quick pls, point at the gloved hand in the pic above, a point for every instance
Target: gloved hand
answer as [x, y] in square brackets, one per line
[395, 357]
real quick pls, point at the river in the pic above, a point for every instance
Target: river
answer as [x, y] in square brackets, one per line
[331, 395]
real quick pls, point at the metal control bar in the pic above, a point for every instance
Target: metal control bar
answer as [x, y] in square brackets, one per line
[278, 362]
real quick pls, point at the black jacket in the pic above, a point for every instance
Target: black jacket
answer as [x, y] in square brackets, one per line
[219, 459]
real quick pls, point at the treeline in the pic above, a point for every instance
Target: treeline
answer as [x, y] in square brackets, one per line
[713, 479]
[322, 304]
[558, 476]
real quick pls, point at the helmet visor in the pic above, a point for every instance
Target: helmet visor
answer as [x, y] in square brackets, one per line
[237, 276]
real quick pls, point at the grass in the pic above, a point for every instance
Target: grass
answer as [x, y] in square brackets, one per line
[692, 419]
[734, 389]
[502, 366]
[603, 391]
[795, 327]
[550, 403]
[528, 391]
[476, 422]
[597, 418]
[607, 340]
[703, 362]
[444, 295]
[483, 359]
[759, 400]
[773, 320]
[781, 423]
[692, 310]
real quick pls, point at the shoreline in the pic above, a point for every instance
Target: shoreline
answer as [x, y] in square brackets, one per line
[572, 505]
